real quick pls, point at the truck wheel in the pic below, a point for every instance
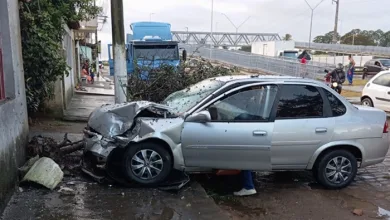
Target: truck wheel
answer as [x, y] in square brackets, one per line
[336, 169]
[147, 163]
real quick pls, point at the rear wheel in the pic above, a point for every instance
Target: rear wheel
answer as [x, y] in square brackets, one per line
[336, 169]
[367, 102]
[147, 163]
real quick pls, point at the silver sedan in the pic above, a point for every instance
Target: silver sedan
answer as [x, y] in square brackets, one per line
[243, 123]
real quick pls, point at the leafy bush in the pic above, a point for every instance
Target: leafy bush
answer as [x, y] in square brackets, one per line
[41, 24]
[167, 79]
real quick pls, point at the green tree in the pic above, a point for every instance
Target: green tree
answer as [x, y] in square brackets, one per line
[361, 37]
[41, 24]
[287, 37]
[325, 39]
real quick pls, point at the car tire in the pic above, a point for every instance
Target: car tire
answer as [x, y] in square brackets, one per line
[327, 166]
[367, 102]
[150, 171]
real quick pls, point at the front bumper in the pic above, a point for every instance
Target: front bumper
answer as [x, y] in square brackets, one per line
[97, 145]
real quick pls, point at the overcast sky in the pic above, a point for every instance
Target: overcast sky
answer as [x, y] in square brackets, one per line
[276, 16]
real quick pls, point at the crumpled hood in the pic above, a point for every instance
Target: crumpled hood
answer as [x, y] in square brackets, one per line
[116, 119]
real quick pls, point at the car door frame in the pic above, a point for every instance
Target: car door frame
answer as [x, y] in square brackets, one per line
[380, 94]
[327, 115]
[266, 151]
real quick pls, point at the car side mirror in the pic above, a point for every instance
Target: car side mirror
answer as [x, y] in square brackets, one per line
[201, 117]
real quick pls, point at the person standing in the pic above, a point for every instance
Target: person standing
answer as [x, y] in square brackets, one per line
[248, 186]
[351, 70]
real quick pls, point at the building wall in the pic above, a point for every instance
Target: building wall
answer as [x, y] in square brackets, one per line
[64, 87]
[86, 52]
[13, 111]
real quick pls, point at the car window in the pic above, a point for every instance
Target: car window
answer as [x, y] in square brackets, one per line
[300, 101]
[249, 104]
[337, 107]
[383, 80]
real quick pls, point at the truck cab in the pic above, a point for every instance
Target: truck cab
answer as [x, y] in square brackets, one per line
[150, 46]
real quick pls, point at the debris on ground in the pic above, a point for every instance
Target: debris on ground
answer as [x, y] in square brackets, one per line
[357, 212]
[27, 166]
[50, 161]
[66, 191]
[45, 172]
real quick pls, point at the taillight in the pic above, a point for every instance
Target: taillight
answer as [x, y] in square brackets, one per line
[386, 128]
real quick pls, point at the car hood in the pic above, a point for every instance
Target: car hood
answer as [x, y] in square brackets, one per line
[116, 119]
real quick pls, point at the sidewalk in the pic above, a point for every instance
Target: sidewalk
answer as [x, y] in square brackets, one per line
[82, 105]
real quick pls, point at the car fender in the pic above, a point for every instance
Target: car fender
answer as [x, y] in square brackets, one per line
[174, 145]
[334, 144]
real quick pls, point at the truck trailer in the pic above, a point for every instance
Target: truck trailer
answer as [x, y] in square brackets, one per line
[285, 49]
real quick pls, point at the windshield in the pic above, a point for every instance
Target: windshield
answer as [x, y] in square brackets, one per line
[156, 52]
[291, 54]
[385, 63]
[181, 101]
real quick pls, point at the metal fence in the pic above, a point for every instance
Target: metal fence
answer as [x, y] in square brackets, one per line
[346, 49]
[272, 65]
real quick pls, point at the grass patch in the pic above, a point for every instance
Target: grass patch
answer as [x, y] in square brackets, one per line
[347, 93]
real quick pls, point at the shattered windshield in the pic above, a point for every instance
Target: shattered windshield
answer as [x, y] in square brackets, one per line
[181, 101]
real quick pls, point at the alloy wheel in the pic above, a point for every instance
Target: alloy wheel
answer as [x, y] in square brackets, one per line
[338, 170]
[146, 164]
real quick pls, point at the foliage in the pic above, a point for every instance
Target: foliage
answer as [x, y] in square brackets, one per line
[166, 79]
[287, 37]
[41, 23]
[326, 39]
[359, 37]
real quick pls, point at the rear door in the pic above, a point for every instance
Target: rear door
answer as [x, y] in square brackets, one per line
[380, 91]
[302, 125]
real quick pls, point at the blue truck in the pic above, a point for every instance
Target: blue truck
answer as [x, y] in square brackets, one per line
[150, 45]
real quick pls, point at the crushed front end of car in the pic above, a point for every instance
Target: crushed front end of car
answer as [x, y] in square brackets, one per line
[111, 128]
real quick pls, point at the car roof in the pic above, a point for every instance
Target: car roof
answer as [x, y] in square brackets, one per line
[260, 78]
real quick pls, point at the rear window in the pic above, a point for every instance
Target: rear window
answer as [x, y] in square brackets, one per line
[383, 80]
[337, 107]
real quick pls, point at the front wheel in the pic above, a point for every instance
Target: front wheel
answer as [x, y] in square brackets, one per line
[336, 169]
[147, 163]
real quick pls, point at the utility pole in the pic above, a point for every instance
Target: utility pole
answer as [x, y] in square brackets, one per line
[211, 30]
[118, 43]
[311, 18]
[96, 45]
[235, 26]
[336, 20]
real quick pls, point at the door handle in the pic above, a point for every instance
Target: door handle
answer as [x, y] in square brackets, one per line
[259, 133]
[321, 130]
[388, 93]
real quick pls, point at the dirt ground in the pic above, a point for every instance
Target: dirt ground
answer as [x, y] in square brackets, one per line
[281, 195]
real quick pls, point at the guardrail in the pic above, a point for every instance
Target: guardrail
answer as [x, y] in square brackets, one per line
[346, 49]
[271, 65]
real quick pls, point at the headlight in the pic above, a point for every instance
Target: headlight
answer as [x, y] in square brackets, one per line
[335, 84]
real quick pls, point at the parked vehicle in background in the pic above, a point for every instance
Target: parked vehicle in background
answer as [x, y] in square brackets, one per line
[150, 46]
[241, 123]
[374, 66]
[376, 92]
[282, 49]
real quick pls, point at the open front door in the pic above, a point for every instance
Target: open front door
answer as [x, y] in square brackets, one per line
[239, 134]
